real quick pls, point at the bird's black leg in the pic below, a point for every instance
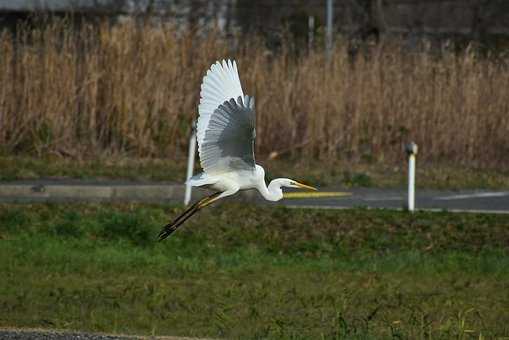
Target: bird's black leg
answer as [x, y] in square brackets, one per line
[171, 227]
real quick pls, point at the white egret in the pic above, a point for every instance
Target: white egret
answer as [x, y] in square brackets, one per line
[226, 136]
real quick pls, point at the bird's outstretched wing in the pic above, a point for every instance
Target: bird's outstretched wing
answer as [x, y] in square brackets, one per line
[226, 125]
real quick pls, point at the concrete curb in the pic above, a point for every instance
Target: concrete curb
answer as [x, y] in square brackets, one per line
[66, 191]
[90, 192]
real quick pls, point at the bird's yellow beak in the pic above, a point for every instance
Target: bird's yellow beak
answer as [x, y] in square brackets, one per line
[304, 186]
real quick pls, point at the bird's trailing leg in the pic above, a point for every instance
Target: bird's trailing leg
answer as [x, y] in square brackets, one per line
[171, 227]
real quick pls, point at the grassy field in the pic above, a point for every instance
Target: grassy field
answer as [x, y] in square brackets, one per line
[429, 176]
[255, 272]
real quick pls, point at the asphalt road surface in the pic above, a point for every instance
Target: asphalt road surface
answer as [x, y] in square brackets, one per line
[491, 201]
[488, 201]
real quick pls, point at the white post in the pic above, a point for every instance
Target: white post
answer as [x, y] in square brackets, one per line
[330, 10]
[411, 150]
[190, 165]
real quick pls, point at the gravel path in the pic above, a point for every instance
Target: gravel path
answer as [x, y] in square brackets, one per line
[36, 334]
[18, 334]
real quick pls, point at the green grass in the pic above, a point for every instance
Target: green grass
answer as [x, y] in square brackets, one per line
[255, 272]
[368, 174]
[14, 168]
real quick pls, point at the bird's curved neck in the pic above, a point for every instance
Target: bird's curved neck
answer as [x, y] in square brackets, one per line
[273, 192]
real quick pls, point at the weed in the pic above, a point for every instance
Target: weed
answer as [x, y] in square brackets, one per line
[255, 272]
[133, 89]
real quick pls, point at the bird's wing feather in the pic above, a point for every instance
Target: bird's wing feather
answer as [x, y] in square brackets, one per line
[228, 143]
[221, 83]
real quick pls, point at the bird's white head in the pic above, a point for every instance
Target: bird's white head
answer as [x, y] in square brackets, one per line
[274, 192]
[276, 187]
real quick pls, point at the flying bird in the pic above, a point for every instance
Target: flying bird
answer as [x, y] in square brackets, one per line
[226, 140]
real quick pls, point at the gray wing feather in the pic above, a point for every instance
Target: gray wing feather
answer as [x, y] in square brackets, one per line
[228, 144]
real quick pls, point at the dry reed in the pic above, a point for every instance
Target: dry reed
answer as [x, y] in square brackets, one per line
[134, 89]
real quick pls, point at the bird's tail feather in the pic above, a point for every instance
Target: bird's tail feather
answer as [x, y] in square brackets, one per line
[201, 179]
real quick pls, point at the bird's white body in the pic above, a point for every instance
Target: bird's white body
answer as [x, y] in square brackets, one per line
[231, 182]
[226, 135]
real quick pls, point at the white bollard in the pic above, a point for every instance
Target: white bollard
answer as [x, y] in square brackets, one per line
[190, 165]
[411, 150]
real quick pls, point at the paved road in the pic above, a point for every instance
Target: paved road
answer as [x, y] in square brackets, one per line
[462, 200]
[99, 191]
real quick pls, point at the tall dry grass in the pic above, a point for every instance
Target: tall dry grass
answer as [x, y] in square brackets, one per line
[134, 89]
